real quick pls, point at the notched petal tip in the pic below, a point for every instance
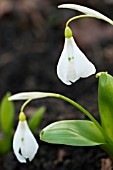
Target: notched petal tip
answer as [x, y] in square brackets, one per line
[68, 83]
[20, 158]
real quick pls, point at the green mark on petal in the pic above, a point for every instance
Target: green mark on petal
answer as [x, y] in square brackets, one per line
[22, 139]
[70, 58]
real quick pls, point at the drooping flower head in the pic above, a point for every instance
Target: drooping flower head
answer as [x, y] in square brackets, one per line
[25, 145]
[73, 64]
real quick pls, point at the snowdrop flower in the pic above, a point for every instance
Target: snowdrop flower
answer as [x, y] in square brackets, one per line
[73, 64]
[24, 143]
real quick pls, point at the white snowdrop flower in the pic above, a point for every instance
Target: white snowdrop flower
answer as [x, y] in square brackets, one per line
[73, 64]
[24, 143]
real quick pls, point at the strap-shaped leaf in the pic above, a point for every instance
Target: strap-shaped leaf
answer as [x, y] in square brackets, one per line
[6, 114]
[36, 118]
[105, 100]
[73, 132]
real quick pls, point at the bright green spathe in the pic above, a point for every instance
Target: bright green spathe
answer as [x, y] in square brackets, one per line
[68, 32]
[22, 117]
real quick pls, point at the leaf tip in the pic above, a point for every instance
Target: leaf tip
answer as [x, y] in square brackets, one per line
[41, 134]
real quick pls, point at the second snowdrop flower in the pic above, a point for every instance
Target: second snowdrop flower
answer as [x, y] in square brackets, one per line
[24, 143]
[73, 64]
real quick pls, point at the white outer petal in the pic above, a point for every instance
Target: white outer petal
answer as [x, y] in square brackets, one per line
[62, 66]
[88, 11]
[28, 147]
[84, 68]
[17, 143]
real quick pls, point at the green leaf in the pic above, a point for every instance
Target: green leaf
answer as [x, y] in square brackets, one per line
[5, 144]
[73, 132]
[108, 148]
[105, 101]
[6, 114]
[36, 118]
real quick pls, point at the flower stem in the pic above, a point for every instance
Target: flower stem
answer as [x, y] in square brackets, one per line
[24, 105]
[80, 16]
[88, 114]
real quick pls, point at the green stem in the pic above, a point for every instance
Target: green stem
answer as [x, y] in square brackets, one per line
[108, 148]
[23, 106]
[88, 114]
[80, 16]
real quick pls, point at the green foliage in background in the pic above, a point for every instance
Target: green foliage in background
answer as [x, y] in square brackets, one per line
[36, 118]
[6, 124]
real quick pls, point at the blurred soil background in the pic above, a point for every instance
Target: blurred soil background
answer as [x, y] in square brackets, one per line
[31, 41]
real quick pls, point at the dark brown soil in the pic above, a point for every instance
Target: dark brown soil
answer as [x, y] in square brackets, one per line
[31, 40]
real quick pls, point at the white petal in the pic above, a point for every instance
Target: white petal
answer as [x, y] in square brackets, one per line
[65, 68]
[30, 145]
[29, 95]
[88, 11]
[72, 74]
[25, 142]
[84, 68]
[62, 67]
[17, 143]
